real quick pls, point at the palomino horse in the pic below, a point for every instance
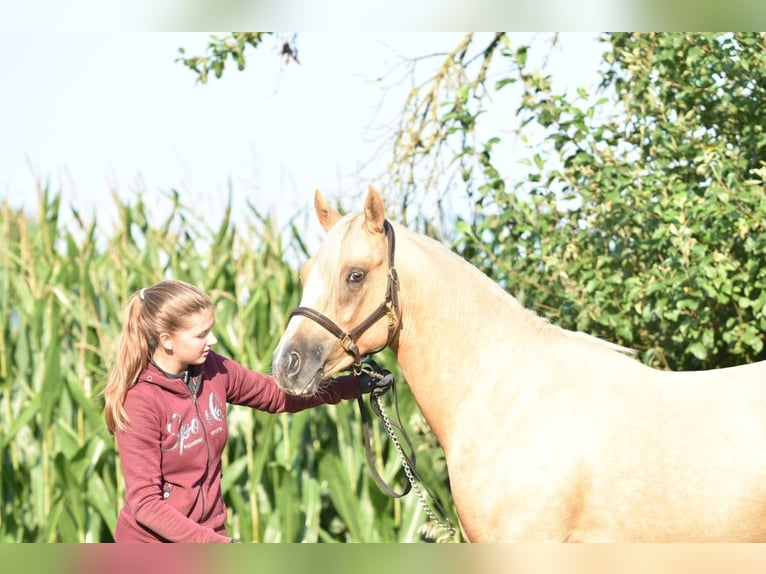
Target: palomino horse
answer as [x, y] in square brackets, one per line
[549, 435]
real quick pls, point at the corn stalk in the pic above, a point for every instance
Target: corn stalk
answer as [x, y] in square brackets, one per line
[287, 478]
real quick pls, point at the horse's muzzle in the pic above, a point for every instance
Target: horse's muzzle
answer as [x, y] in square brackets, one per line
[298, 367]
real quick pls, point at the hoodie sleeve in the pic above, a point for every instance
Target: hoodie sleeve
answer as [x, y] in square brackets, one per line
[256, 390]
[140, 451]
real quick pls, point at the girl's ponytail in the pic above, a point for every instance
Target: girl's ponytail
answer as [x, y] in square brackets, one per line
[132, 356]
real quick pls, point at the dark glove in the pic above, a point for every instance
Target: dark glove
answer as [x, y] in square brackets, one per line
[374, 379]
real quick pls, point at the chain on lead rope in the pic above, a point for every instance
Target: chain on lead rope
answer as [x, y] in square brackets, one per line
[379, 381]
[442, 523]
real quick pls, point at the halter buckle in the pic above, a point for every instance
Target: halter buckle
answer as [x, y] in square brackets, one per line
[346, 341]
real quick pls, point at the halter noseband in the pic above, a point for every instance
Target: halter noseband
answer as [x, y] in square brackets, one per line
[389, 308]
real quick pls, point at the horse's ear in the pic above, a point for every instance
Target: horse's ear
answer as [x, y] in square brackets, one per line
[374, 213]
[326, 214]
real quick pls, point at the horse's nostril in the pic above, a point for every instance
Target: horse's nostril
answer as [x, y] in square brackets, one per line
[294, 365]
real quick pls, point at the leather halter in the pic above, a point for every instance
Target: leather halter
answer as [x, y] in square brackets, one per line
[389, 308]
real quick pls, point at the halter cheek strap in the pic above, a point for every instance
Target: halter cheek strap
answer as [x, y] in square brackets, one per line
[389, 308]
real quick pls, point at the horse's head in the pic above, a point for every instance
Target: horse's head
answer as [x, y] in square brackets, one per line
[349, 303]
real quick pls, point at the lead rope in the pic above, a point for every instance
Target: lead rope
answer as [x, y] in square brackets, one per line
[443, 523]
[429, 530]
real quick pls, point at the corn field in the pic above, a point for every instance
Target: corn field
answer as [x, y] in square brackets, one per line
[287, 478]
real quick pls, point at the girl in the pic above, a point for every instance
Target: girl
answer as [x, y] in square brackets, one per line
[165, 400]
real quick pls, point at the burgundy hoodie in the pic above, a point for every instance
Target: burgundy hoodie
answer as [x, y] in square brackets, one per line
[171, 450]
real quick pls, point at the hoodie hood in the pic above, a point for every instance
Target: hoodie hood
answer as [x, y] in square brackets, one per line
[183, 385]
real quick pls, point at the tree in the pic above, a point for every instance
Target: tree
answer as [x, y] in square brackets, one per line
[642, 217]
[233, 46]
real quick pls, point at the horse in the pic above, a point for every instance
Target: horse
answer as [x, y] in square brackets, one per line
[548, 434]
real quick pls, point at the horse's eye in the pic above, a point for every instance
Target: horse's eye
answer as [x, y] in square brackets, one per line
[355, 277]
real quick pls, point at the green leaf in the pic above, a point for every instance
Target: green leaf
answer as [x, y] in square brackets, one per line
[343, 497]
[698, 350]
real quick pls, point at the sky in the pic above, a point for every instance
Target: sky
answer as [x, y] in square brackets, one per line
[96, 113]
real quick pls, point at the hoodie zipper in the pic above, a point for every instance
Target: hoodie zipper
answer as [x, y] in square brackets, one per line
[166, 492]
[207, 456]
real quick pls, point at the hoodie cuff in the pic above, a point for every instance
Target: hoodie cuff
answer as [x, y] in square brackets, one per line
[348, 386]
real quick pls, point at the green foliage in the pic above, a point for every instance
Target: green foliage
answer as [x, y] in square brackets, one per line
[287, 478]
[642, 218]
[640, 215]
[231, 46]
[438, 119]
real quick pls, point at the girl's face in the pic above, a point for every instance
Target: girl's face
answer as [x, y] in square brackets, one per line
[188, 346]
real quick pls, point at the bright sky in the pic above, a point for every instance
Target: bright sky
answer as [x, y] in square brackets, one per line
[95, 112]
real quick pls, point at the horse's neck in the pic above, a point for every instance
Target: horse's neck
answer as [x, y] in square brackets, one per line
[455, 321]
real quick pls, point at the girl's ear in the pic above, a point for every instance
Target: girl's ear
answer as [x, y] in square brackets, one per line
[166, 342]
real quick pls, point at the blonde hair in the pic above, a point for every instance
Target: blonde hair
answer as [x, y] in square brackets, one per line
[162, 308]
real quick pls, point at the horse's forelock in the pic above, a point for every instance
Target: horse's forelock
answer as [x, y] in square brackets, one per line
[315, 285]
[319, 275]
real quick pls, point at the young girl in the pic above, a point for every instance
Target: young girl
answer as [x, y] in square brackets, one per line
[165, 400]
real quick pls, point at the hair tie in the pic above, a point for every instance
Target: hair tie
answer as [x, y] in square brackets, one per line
[141, 293]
